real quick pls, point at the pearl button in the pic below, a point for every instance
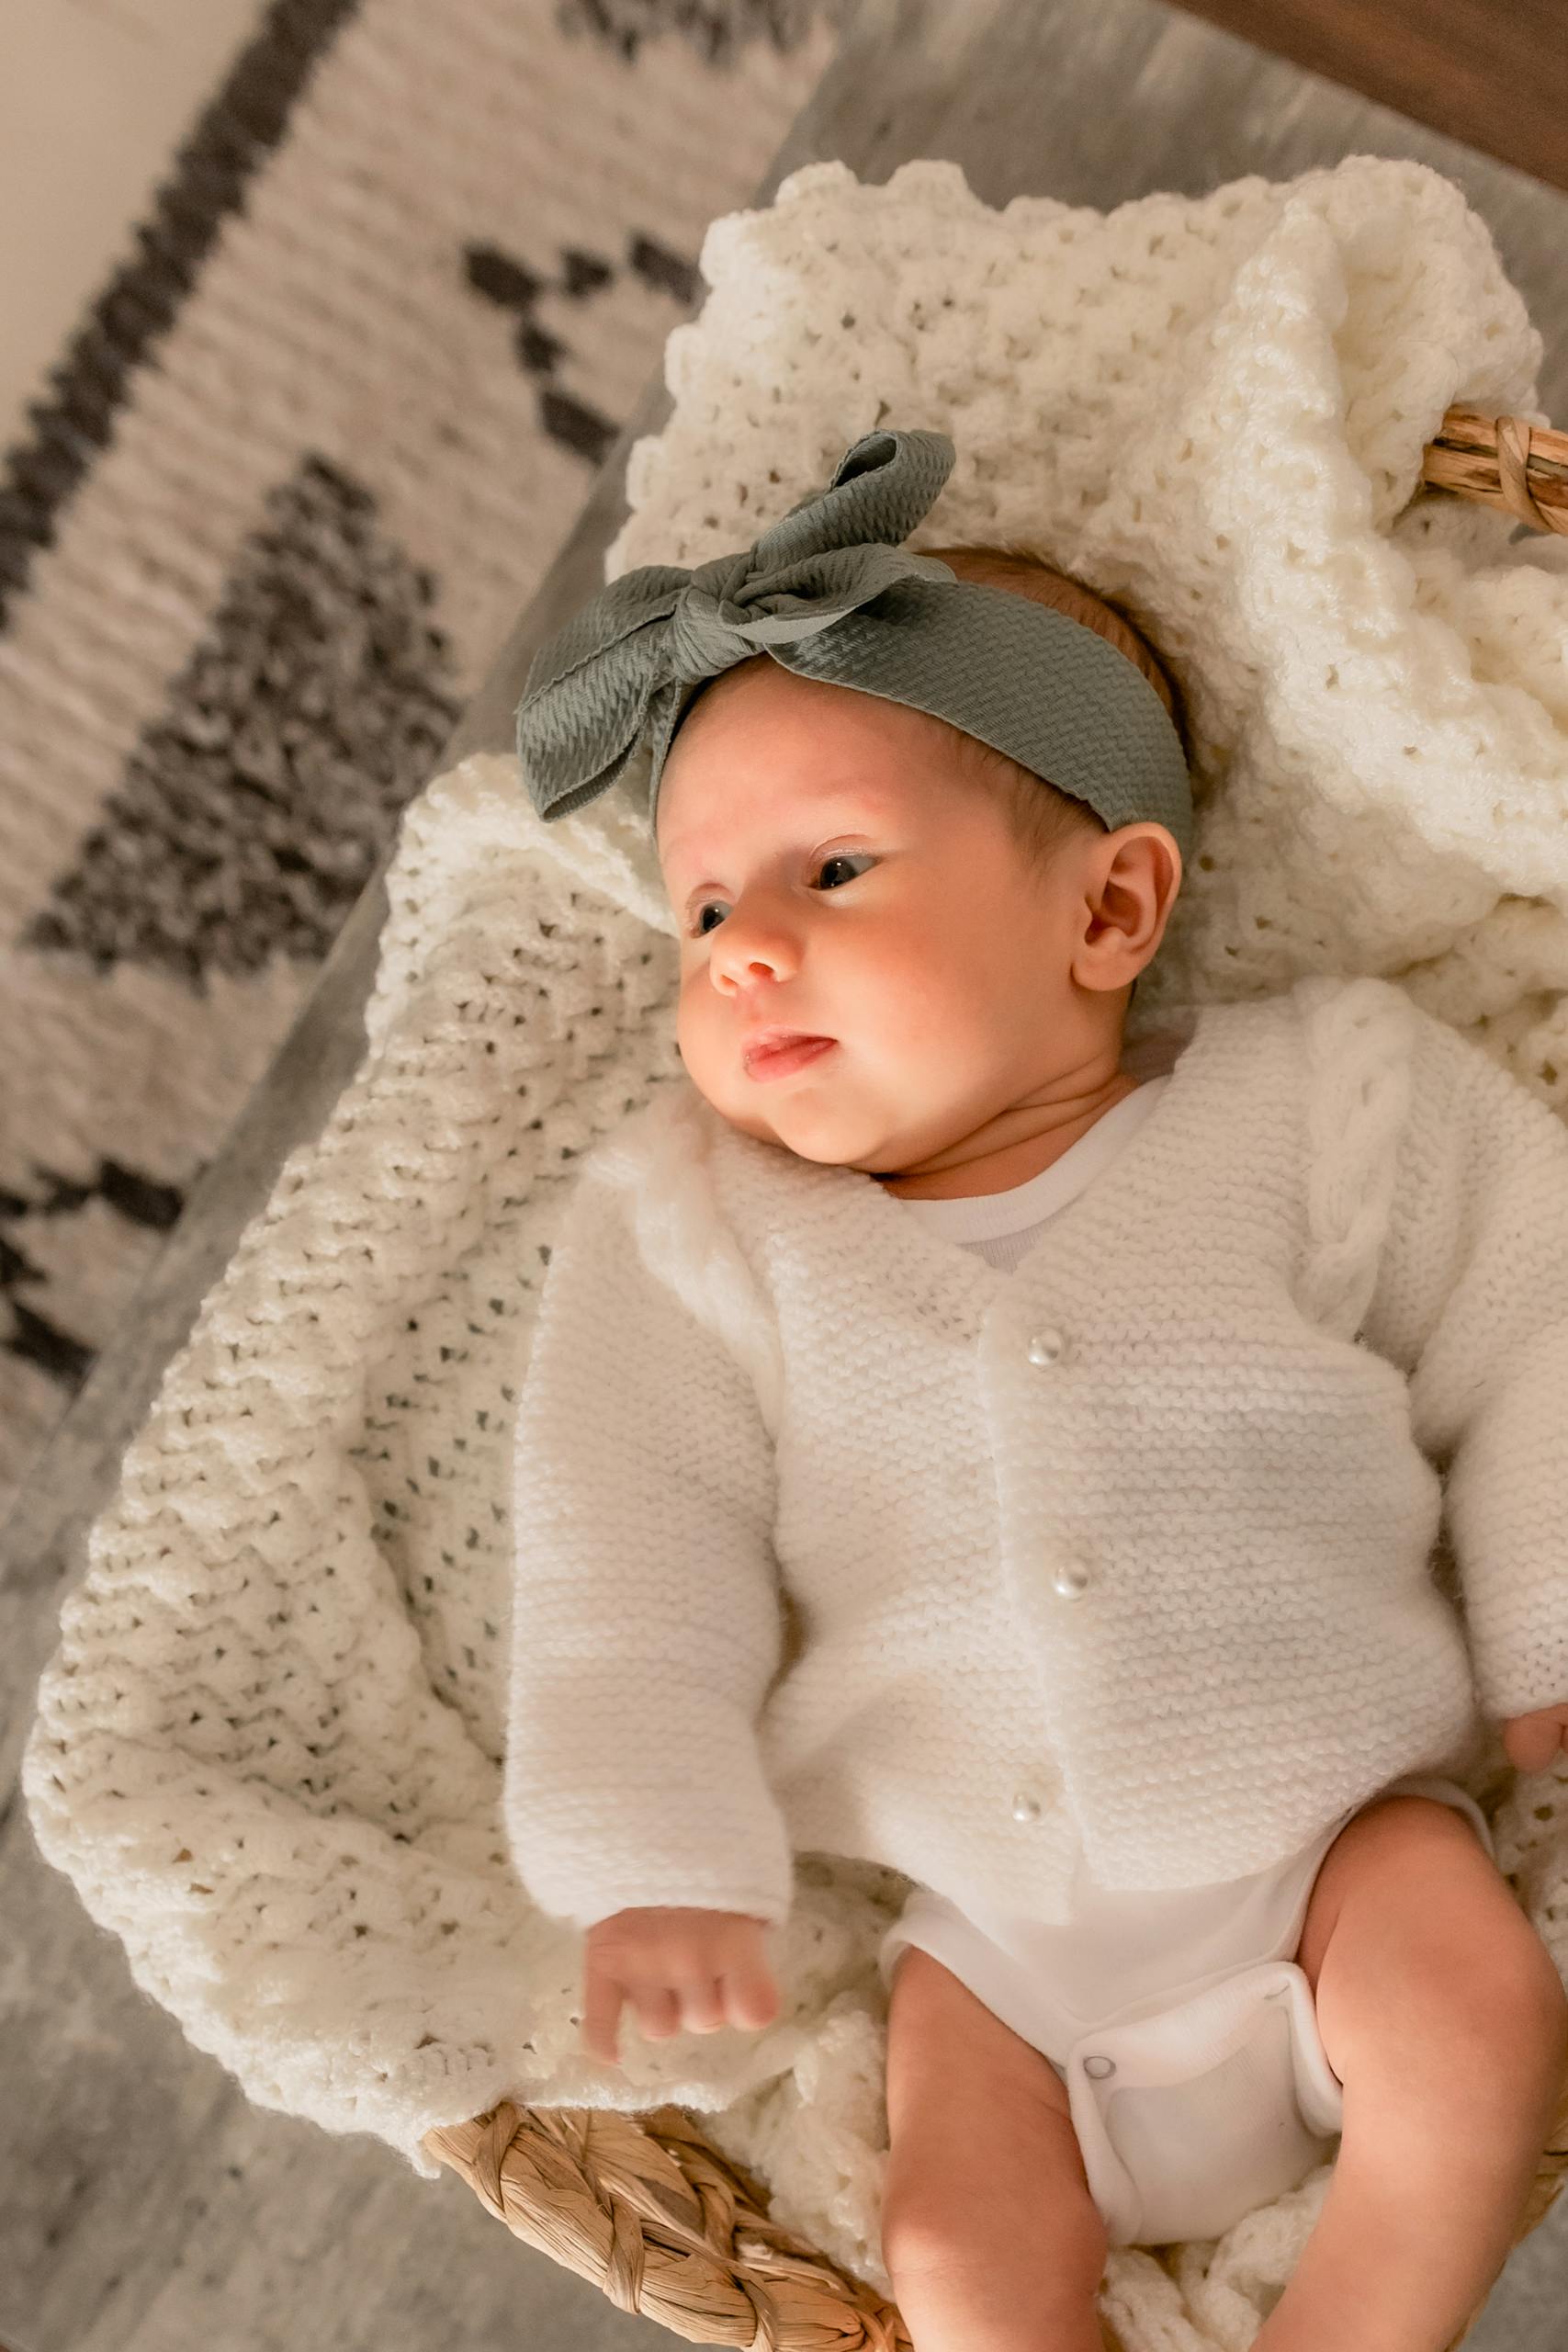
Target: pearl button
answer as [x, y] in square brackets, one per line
[1099, 2067]
[1048, 1347]
[1025, 1807]
[1072, 1579]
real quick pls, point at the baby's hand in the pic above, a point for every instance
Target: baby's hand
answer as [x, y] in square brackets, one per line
[1532, 1740]
[676, 1966]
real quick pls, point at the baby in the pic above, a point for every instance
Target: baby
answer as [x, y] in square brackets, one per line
[906, 952]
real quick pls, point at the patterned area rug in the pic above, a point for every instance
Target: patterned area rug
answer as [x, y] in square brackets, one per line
[310, 451]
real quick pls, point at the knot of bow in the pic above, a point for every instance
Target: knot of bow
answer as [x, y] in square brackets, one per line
[630, 662]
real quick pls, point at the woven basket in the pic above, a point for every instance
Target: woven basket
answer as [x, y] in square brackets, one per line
[641, 2205]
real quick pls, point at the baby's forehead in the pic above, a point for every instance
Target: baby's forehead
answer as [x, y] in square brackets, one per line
[716, 816]
[819, 727]
[833, 748]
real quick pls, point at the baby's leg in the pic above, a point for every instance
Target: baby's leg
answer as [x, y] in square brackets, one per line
[990, 2236]
[1443, 2015]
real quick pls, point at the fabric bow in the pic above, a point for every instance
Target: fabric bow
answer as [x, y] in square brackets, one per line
[632, 659]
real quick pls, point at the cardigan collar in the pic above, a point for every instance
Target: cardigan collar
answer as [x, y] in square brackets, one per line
[862, 1214]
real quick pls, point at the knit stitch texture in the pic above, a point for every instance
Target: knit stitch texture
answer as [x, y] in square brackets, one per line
[269, 1750]
[757, 1380]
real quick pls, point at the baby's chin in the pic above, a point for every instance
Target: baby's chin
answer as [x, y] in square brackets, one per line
[804, 1136]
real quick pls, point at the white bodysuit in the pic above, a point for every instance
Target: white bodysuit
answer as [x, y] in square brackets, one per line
[1185, 2030]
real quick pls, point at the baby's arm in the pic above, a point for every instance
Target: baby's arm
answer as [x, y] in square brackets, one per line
[647, 1623]
[1472, 1302]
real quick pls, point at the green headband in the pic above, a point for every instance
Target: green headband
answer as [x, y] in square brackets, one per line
[828, 594]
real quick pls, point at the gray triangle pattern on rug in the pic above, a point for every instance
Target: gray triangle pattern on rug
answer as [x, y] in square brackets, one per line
[501, 279]
[715, 28]
[31, 1337]
[257, 806]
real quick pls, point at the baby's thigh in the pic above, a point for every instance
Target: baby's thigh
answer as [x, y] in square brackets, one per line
[981, 2136]
[1411, 1927]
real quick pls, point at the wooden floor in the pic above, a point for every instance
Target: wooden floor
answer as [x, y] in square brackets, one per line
[1492, 73]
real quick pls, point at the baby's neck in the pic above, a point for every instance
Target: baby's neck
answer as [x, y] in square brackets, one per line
[1011, 1164]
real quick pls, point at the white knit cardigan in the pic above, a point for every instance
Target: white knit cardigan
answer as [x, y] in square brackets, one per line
[268, 1750]
[1140, 1531]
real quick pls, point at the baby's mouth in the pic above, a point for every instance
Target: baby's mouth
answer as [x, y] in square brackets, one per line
[775, 1054]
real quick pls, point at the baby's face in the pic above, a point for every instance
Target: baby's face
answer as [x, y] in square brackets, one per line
[831, 871]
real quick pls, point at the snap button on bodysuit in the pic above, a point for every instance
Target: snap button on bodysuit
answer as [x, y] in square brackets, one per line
[1071, 1580]
[1025, 1807]
[1048, 1347]
[1099, 2067]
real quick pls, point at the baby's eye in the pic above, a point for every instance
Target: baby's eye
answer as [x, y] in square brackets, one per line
[846, 857]
[840, 857]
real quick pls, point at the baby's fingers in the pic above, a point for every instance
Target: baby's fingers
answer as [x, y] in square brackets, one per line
[751, 1997]
[600, 2016]
[658, 2010]
[702, 2004]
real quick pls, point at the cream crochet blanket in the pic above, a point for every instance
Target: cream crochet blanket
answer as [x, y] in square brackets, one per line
[267, 1750]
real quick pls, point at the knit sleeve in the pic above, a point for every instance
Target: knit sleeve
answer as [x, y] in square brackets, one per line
[1472, 1301]
[646, 1617]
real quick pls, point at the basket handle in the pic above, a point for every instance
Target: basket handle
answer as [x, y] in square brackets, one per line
[1502, 461]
